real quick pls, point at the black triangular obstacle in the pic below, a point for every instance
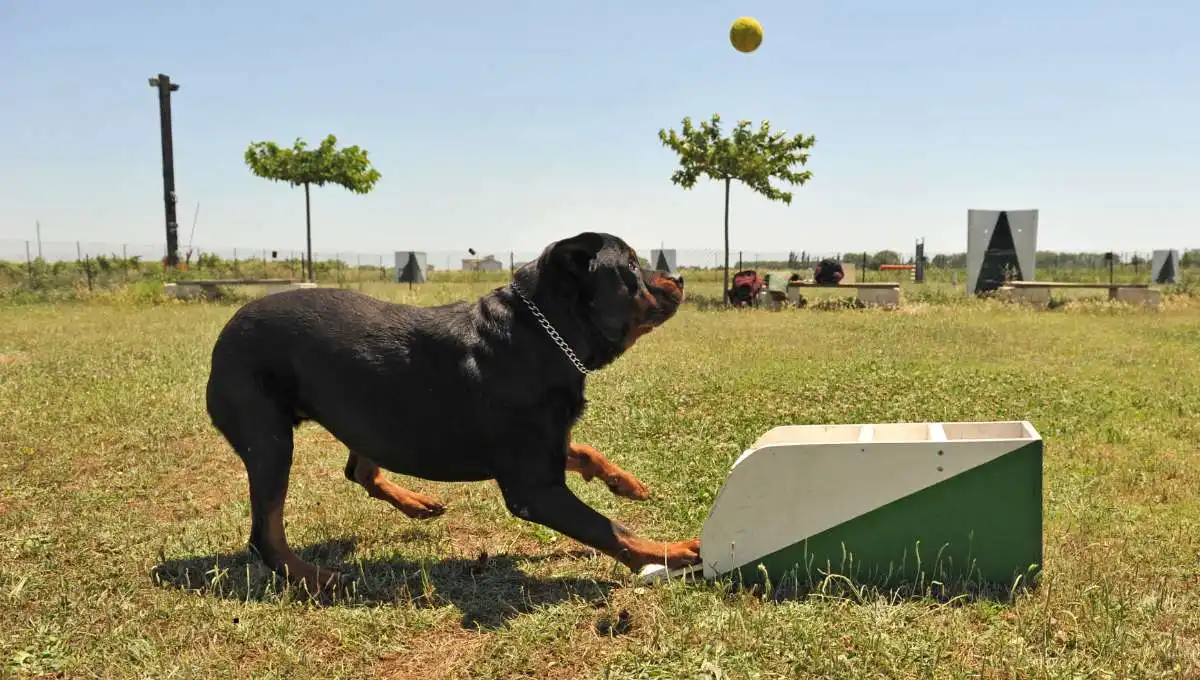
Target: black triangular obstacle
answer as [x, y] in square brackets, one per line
[1000, 259]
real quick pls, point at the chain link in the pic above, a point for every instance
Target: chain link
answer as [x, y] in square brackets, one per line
[558, 339]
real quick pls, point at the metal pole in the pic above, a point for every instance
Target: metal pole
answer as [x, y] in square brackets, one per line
[725, 277]
[165, 88]
[919, 270]
[38, 225]
[308, 230]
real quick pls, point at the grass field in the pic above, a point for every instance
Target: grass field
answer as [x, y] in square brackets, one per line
[123, 515]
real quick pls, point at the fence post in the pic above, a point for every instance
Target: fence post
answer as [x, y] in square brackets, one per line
[235, 262]
[28, 260]
[87, 271]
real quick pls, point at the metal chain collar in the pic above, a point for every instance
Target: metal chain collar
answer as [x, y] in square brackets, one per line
[558, 339]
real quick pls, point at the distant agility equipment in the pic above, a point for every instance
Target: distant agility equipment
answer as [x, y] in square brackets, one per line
[410, 267]
[1164, 267]
[663, 260]
[1001, 247]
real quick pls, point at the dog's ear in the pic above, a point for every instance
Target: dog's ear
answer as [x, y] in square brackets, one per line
[575, 254]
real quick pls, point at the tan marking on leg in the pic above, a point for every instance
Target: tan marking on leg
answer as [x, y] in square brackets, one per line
[590, 463]
[411, 503]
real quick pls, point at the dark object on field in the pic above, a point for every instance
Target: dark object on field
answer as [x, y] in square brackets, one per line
[606, 626]
[828, 272]
[746, 286]
[469, 391]
[1000, 262]
[801, 301]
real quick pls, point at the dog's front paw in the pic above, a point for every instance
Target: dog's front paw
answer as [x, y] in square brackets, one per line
[683, 553]
[671, 555]
[625, 485]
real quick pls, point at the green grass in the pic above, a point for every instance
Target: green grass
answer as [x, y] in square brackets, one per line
[123, 515]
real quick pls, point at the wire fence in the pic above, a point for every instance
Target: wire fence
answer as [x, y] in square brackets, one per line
[90, 263]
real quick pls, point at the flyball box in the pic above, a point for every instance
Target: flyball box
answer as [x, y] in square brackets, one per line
[887, 503]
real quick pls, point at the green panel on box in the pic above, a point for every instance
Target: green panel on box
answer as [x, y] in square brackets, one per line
[983, 525]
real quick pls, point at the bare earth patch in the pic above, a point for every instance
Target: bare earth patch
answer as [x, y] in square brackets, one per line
[438, 653]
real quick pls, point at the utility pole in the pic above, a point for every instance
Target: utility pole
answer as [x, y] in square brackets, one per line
[165, 88]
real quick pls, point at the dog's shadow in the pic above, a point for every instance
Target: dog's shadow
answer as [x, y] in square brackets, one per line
[488, 590]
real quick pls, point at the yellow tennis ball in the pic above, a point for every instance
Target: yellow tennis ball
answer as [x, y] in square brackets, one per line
[746, 34]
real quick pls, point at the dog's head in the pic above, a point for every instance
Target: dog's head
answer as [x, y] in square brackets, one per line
[597, 279]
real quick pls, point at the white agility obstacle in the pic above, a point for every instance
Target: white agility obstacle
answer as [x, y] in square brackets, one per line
[880, 503]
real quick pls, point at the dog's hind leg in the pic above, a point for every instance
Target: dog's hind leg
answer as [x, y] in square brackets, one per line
[261, 434]
[590, 464]
[363, 470]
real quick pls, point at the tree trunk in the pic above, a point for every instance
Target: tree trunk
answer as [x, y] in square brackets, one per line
[308, 229]
[725, 289]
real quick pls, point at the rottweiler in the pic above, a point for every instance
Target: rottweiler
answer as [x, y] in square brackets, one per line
[470, 391]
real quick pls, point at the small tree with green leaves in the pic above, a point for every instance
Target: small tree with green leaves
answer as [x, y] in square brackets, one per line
[301, 166]
[752, 157]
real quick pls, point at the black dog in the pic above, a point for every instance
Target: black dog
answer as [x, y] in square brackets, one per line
[462, 392]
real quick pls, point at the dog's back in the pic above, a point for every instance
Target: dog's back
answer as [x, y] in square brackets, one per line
[396, 382]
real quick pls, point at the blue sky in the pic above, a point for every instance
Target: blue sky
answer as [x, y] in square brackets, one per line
[507, 125]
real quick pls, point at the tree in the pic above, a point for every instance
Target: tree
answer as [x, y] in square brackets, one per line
[883, 257]
[752, 157]
[299, 165]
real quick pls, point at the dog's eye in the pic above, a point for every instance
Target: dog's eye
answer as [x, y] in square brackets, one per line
[630, 279]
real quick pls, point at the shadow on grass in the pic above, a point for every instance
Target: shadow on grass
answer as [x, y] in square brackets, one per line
[488, 590]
